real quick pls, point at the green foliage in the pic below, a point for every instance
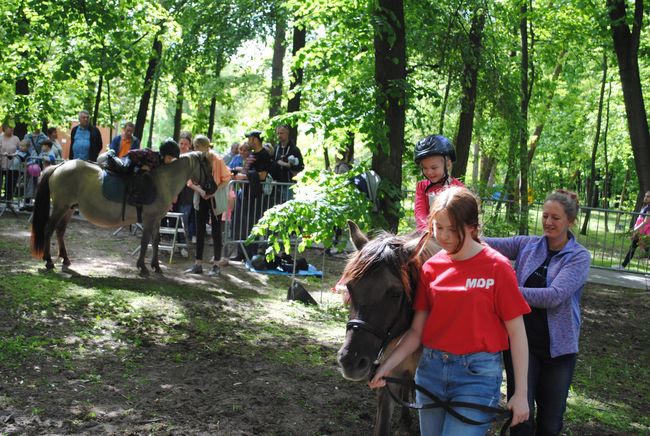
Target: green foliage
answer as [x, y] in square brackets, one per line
[322, 205]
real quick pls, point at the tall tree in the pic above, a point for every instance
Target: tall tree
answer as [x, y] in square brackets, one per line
[592, 200]
[471, 57]
[277, 64]
[293, 105]
[390, 77]
[525, 93]
[626, 46]
[154, 59]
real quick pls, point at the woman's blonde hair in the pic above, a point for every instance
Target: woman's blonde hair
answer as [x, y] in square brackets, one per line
[462, 208]
[202, 141]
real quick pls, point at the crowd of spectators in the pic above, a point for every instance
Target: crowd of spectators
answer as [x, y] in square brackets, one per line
[252, 164]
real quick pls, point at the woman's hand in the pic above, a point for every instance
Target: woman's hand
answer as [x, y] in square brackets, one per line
[518, 404]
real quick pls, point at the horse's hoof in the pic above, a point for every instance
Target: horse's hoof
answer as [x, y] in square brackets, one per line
[158, 270]
[49, 266]
[144, 273]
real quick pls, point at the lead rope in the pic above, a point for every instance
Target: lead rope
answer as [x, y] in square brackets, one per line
[448, 406]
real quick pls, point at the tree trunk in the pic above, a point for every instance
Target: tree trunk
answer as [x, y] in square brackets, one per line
[22, 88]
[523, 122]
[156, 54]
[178, 111]
[621, 198]
[299, 36]
[277, 66]
[153, 112]
[547, 107]
[468, 102]
[607, 188]
[111, 116]
[487, 163]
[591, 197]
[475, 164]
[390, 77]
[626, 46]
[98, 99]
[211, 117]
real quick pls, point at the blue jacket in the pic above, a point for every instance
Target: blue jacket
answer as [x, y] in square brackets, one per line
[117, 141]
[566, 277]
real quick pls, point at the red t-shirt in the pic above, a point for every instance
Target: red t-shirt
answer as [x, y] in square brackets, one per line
[421, 207]
[468, 302]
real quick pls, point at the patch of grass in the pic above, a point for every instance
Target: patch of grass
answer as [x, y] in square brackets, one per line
[618, 417]
[598, 382]
[16, 350]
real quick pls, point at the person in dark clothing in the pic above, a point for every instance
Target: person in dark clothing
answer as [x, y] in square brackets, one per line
[251, 202]
[287, 163]
[641, 229]
[85, 139]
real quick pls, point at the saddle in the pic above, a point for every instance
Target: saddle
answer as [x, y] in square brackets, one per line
[133, 189]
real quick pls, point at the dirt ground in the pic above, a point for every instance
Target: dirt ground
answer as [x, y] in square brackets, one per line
[209, 379]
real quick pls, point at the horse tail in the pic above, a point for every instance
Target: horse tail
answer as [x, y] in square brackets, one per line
[41, 213]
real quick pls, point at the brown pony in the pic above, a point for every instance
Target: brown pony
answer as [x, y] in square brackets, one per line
[381, 279]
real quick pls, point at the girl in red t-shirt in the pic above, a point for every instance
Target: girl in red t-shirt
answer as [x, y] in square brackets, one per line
[467, 308]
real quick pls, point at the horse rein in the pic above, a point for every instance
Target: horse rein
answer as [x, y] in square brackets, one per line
[448, 406]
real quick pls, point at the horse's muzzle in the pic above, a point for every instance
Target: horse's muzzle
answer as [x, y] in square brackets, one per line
[354, 366]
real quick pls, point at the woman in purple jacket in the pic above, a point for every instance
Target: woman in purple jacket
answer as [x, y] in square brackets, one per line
[552, 271]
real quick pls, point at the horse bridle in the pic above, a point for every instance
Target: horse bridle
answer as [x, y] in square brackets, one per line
[357, 324]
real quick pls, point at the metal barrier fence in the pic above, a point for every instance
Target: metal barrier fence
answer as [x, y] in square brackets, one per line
[18, 183]
[17, 186]
[245, 212]
[607, 234]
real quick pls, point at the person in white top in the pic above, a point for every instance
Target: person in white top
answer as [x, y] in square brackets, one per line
[8, 145]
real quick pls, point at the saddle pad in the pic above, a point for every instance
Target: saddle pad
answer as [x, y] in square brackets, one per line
[140, 190]
[113, 187]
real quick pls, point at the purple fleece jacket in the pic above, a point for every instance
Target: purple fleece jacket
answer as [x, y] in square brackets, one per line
[566, 276]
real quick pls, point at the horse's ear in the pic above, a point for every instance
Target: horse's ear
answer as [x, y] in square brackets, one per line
[421, 245]
[356, 235]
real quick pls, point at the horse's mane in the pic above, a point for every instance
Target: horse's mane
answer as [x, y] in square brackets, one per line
[393, 252]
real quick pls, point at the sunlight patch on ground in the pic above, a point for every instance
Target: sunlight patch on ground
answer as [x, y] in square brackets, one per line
[614, 414]
[295, 314]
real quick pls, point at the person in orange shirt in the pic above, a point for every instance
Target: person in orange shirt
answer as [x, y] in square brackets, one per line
[206, 208]
[125, 142]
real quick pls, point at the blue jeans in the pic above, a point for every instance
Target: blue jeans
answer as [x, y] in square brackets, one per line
[548, 387]
[472, 378]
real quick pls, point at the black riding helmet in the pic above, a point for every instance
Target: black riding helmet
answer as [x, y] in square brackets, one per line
[434, 145]
[169, 147]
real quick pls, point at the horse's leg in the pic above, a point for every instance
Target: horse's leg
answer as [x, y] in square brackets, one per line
[144, 244]
[52, 223]
[155, 237]
[60, 232]
[384, 413]
[405, 418]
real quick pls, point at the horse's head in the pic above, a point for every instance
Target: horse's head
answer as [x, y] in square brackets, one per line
[381, 279]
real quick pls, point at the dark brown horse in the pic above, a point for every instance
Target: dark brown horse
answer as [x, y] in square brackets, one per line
[77, 184]
[381, 279]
